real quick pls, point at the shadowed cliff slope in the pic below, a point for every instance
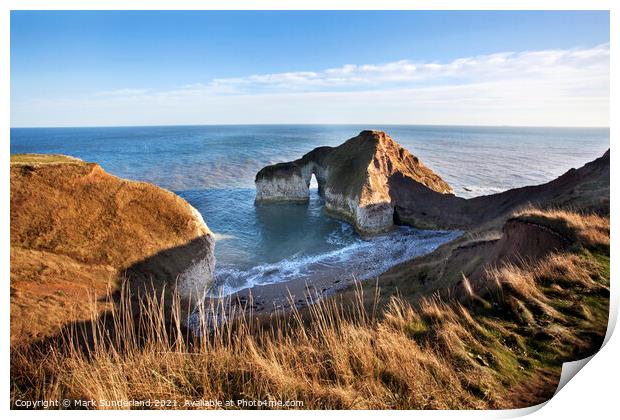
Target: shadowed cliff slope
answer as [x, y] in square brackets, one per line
[525, 237]
[584, 189]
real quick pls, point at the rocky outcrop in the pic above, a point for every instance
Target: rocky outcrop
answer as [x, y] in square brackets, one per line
[77, 232]
[354, 179]
[374, 183]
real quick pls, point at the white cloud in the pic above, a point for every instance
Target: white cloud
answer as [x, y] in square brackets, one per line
[548, 87]
[575, 62]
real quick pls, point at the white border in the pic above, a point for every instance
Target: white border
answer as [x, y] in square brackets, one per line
[309, 5]
[592, 395]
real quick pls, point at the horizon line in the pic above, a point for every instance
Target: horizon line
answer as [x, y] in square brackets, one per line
[310, 124]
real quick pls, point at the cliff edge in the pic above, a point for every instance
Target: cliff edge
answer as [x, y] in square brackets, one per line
[77, 232]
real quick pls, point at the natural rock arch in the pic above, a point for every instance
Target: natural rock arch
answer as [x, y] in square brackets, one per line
[374, 183]
[353, 178]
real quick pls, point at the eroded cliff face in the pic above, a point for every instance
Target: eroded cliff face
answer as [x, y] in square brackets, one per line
[77, 232]
[354, 179]
[286, 183]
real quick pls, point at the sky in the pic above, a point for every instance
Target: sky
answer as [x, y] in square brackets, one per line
[112, 68]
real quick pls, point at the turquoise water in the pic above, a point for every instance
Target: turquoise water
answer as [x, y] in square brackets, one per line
[213, 167]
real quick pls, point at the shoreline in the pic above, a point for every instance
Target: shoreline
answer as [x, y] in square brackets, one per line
[327, 281]
[267, 299]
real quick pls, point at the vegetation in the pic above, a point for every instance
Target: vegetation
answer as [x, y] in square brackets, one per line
[39, 159]
[500, 347]
[589, 230]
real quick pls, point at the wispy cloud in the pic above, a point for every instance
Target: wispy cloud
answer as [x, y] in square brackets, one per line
[547, 87]
[532, 64]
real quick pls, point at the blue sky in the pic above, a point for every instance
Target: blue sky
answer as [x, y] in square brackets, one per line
[133, 68]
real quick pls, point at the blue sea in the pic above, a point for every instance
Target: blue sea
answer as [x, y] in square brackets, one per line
[213, 168]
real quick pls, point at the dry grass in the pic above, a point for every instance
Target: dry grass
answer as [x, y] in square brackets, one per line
[42, 159]
[434, 354]
[590, 230]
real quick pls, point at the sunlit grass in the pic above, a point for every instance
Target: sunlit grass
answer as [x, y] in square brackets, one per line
[38, 159]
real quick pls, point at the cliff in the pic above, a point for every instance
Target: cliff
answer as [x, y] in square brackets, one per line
[374, 183]
[77, 232]
[354, 179]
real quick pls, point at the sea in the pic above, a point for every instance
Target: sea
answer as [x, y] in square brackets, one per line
[213, 168]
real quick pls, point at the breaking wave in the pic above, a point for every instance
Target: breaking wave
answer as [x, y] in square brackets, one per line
[360, 260]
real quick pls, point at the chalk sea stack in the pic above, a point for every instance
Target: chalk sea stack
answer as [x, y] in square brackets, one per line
[77, 232]
[353, 178]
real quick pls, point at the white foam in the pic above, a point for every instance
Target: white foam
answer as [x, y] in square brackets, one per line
[222, 236]
[362, 259]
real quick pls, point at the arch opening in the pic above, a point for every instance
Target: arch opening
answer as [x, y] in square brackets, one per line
[314, 185]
